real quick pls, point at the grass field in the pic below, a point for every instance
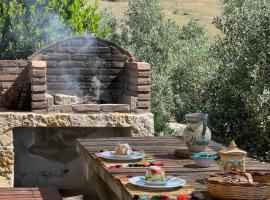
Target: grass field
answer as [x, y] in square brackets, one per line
[181, 11]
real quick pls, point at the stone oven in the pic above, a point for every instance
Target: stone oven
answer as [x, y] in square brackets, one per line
[79, 87]
[85, 75]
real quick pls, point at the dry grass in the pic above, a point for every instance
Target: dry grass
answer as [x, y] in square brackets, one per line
[181, 11]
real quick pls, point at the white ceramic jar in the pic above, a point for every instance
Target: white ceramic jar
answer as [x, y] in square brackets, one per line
[196, 134]
[232, 159]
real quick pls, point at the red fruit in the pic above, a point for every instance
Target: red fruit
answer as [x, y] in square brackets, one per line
[146, 164]
[159, 164]
[182, 197]
[154, 171]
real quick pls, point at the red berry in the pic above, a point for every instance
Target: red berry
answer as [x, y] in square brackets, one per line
[154, 171]
[146, 164]
[159, 164]
[163, 197]
[182, 197]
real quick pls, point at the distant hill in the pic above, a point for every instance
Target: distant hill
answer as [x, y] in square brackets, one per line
[181, 11]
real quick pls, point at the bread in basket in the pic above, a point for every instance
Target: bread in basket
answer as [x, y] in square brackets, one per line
[237, 185]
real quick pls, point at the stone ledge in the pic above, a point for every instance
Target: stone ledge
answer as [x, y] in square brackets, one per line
[141, 124]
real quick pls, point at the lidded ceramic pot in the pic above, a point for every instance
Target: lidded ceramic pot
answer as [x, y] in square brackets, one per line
[196, 134]
[232, 158]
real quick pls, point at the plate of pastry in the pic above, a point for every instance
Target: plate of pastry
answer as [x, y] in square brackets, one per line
[122, 152]
[156, 179]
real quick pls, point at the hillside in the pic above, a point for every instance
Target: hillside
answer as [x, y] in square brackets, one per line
[181, 11]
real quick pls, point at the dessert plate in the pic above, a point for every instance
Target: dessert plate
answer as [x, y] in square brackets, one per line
[136, 155]
[171, 182]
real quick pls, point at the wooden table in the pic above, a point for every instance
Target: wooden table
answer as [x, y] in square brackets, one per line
[161, 148]
[41, 193]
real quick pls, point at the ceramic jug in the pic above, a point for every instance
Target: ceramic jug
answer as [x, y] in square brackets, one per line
[196, 134]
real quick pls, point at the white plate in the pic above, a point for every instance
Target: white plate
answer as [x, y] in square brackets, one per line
[136, 155]
[172, 182]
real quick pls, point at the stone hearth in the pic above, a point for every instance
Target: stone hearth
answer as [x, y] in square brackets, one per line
[136, 124]
[78, 83]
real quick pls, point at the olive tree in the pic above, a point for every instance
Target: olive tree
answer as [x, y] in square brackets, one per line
[28, 25]
[240, 93]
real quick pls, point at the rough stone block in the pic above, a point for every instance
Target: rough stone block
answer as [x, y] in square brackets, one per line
[62, 108]
[139, 81]
[56, 56]
[6, 167]
[38, 96]
[6, 139]
[116, 64]
[39, 105]
[85, 108]
[144, 81]
[144, 97]
[38, 64]
[50, 102]
[144, 88]
[98, 64]
[38, 88]
[71, 64]
[133, 103]
[39, 80]
[12, 71]
[8, 63]
[114, 57]
[136, 74]
[142, 74]
[40, 111]
[114, 107]
[140, 66]
[143, 104]
[131, 100]
[139, 88]
[62, 99]
[8, 78]
[39, 72]
[143, 110]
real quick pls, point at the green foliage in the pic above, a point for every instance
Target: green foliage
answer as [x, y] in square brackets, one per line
[26, 26]
[227, 78]
[178, 57]
[239, 95]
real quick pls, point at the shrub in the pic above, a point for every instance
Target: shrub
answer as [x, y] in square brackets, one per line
[26, 26]
[175, 53]
[239, 95]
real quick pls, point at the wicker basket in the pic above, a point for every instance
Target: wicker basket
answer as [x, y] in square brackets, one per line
[261, 177]
[257, 190]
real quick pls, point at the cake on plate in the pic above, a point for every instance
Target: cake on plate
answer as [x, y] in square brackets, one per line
[155, 174]
[122, 149]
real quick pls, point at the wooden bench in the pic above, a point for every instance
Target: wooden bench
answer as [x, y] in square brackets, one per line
[39, 193]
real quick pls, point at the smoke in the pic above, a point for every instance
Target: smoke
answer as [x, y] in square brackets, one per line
[42, 28]
[96, 85]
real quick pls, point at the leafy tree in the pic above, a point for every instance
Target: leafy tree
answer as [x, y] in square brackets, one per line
[239, 95]
[178, 56]
[26, 26]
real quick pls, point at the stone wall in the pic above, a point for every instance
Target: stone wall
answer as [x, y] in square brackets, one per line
[48, 157]
[132, 124]
[15, 85]
[138, 86]
[80, 66]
